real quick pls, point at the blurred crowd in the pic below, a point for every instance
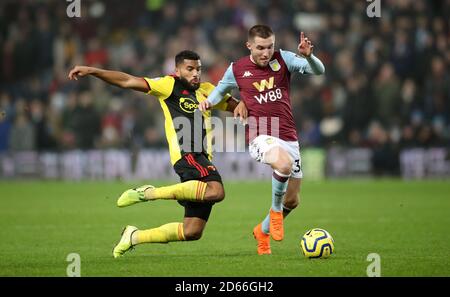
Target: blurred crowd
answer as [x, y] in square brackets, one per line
[386, 87]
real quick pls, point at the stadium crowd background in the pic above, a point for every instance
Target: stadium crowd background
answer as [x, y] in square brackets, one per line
[386, 87]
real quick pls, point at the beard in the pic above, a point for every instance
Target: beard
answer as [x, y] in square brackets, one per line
[262, 63]
[188, 85]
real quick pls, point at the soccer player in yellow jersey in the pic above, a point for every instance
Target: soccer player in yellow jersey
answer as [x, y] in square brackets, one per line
[201, 184]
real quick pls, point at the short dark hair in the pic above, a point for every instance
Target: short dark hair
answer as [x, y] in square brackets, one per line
[186, 54]
[262, 31]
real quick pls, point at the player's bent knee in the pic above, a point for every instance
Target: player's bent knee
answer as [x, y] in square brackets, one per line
[215, 192]
[284, 166]
[288, 162]
[283, 163]
[190, 235]
[218, 196]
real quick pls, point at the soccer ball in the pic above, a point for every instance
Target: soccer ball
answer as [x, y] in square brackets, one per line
[317, 243]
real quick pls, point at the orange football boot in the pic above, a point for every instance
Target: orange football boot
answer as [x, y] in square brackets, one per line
[276, 225]
[263, 241]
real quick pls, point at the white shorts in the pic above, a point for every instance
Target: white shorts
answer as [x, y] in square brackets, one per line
[263, 143]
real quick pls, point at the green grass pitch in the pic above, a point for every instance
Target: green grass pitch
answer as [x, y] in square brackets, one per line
[406, 223]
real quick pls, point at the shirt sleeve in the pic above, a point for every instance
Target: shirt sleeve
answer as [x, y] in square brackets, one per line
[296, 63]
[223, 103]
[160, 87]
[225, 85]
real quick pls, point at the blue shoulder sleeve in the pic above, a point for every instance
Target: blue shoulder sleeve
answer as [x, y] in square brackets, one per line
[296, 63]
[224, 86]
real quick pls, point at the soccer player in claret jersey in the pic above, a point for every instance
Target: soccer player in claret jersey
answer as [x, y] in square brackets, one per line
[263, 79]
[201, 184]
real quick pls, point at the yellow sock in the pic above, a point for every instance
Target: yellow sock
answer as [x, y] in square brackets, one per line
[192, 190]
[163, 234]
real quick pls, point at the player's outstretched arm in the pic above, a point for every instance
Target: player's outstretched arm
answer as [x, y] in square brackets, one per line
[117, 78]
[224, 86]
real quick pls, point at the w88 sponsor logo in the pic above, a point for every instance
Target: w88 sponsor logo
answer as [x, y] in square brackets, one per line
[271, 95]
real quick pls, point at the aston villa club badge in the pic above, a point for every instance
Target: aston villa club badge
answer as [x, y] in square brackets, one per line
[274, 65]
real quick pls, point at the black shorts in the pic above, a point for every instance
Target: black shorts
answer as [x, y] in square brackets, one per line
[196, 166]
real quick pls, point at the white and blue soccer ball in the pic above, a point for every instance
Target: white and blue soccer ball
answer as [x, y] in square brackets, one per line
[317, 243]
